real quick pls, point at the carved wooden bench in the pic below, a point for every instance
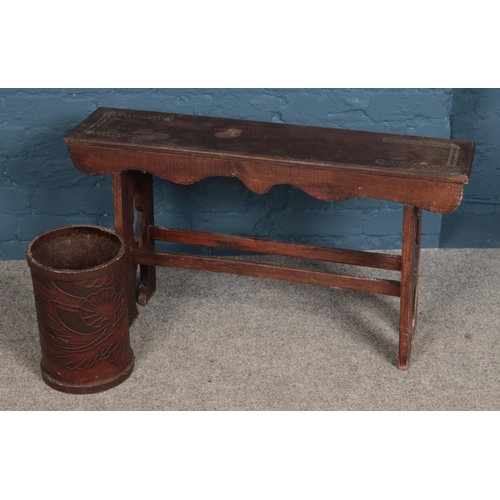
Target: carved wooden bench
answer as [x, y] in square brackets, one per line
[329, 164]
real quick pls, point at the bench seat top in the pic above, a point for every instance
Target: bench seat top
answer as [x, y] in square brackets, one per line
[391, 155]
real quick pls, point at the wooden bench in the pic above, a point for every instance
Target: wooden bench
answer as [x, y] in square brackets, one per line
[329, 164]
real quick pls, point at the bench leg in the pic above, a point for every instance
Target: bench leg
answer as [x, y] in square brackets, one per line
[124, 188]
[145, 219]
[412, 228]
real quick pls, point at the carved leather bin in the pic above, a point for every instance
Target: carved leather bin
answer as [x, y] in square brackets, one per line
[82, 315]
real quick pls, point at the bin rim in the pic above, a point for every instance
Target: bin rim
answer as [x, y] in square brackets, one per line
[74, 274]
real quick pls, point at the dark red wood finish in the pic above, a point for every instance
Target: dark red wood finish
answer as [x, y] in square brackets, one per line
[80, 297]
[329, 164]
[124, 190]
[272, 143]
[412, 229]
[215, 264]
[145, 220]
[341, 256]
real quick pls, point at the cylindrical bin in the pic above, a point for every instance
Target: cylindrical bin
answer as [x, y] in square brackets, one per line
[81, 308]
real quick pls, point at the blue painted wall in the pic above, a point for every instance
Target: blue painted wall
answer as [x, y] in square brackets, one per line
[476, 222]
[476, 117]
[41, 189]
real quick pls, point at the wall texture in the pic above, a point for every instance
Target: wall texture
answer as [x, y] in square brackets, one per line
[41, 189]
[476, 117]
[476, 222]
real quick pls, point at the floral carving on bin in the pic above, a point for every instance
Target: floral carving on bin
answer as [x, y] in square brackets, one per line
[85, 325]
[101, 307]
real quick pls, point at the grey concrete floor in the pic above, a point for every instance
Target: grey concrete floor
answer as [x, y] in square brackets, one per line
[221, 342]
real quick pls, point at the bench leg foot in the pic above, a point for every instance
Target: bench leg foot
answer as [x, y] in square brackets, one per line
[412, 229]
[124, 188]
[144, 205]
